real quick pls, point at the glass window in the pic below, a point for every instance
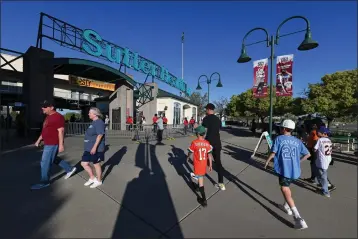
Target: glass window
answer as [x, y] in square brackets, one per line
[194, 113]
[176, 114]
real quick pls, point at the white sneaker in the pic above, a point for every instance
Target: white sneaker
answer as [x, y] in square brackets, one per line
[96, 183]
[300, 224]
[89, 182]
[221, 186]
[285, 209]
[69, 174]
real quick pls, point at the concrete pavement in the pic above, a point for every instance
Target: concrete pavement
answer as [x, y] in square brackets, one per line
[146, 193]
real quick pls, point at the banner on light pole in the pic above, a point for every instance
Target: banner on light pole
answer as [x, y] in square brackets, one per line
[284, 75]
[259, 89]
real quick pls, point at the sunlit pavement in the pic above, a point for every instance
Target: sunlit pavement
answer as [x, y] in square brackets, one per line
[145, 194]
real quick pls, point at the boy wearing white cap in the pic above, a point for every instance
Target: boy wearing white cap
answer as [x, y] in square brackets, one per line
[286, 152]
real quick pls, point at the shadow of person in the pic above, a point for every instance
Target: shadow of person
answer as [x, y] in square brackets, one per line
[244, 187]
[30, 217]
[182, 167]
[113, 161]
[148, 198]
[245, 156]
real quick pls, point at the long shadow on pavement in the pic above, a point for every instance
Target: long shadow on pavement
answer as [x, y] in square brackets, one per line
[240, 184]
[113, 161]
[24, 213]
[148, 198]
[245, 156]
[178, 159]
[349, 159]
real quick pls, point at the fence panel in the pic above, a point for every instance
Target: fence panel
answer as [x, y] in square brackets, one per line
[136, 132]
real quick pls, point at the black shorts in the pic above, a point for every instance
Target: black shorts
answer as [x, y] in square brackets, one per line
[285, 182]
[95, 158]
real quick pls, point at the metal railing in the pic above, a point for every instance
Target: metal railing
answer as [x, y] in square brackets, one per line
[136, 131]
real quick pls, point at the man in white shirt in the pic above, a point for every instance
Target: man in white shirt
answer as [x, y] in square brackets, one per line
[323, 149]
[160, 129]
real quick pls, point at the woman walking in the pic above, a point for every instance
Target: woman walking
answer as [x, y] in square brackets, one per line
[94, 146]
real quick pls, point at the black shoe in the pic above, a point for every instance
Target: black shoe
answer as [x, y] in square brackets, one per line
[202, 202]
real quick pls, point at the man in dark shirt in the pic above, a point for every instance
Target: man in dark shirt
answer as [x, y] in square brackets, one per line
[53, 136]
[212, 123]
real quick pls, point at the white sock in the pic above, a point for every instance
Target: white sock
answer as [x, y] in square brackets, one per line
[295, 212]
[286, 206]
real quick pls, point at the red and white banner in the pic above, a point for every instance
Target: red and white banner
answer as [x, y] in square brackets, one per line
[284, 75]
[260, 78]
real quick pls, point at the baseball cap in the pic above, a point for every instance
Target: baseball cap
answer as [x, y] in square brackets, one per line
[288, 124]
[200, 129]
[323, 130]
[47, 103]
[210, 106]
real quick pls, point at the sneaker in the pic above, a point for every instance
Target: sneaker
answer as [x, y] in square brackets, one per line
[39, 186]
[327, 195]
[202, 202]
[285, 209]
[300, 224]
[331, 187]
[96, 183]
[69, 174]
[89, 182]
[221, 186]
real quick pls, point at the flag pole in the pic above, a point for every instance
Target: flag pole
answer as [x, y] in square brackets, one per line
[182, 56]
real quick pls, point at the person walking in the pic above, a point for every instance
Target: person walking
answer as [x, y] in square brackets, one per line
[191, 123]
[212, 123]
[286, 152]
[160, 129]
[311, 142]
[106, 122]
[186, 123]
[94, 147]
[201, 149]
[52, 135]
[155, 126]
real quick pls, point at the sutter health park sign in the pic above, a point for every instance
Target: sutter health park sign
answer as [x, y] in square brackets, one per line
[94, 45]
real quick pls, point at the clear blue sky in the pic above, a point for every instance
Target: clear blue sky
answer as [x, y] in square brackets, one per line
[213, 35]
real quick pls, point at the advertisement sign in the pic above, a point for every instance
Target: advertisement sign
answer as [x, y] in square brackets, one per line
[264, 135]
[259, 89]
[76, 80]
[284, 75]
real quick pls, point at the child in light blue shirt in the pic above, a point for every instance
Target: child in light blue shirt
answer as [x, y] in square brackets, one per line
[286, 152]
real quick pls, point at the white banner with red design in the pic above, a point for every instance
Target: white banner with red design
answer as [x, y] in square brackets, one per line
[284, 75]
[259, 89]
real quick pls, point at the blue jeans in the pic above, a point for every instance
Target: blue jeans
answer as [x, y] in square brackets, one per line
[322, 177]
[48, 156]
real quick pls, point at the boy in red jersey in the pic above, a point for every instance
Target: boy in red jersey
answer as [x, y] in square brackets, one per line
[201, 149]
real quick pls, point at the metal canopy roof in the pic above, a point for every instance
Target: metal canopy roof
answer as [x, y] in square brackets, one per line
[89, 69]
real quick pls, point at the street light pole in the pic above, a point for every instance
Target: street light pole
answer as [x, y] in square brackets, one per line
[271, 83]
[209, 81]
[307, 44]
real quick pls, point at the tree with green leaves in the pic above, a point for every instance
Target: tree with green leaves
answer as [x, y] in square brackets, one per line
[68, 115]
[334, 96]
